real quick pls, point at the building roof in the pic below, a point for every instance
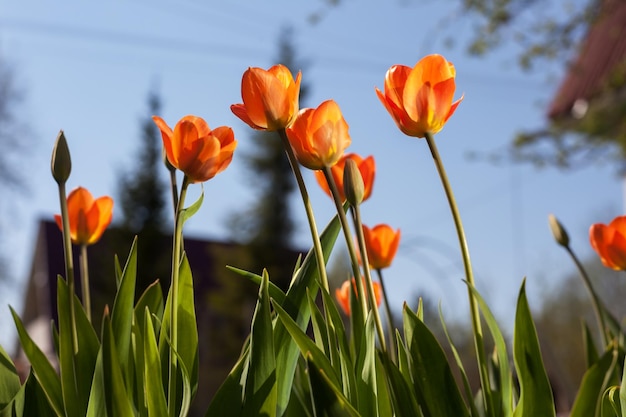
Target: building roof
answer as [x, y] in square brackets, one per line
[603, 51]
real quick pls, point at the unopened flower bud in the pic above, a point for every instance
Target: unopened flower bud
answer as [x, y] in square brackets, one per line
[558, 231]
[353, 186]
[61, 162]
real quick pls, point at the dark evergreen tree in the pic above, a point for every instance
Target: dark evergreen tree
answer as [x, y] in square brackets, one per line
[144, 209]
[141, 189]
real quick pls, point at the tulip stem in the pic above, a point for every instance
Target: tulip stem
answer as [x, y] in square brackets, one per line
[69, 263]
[371, 295]
[84, 281]
[597, 304]
[176, 254]
[348, 238]
[392, 335]
[317, 245]
[174, 188]
[469, 275]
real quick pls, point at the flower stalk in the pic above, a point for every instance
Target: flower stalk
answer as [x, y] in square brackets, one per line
[84, 281]
[358, 225]
[469, 274]
[390, 326]
[176, 256]
[317, 246]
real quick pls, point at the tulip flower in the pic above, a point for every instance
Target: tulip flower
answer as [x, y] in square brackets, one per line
[381, 243]
[270, 98]
[367, 168]
[419, 99]
[192, 147]
[319, 136]
[609, 241]
[88, 217]
[343, 294]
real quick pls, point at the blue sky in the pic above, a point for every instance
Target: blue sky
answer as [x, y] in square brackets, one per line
[86, 68]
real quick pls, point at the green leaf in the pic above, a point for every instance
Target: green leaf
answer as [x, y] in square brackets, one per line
[76, 368]
[9, 379]
[594, 382]
[318, 324]
[296, 305]
[365, 370]
[402, 398]
[459, 362]
[193, 209]
[187, 347]
[591, 353]
[122, 313]
[154, 392]
[622, 394]
[228, 400]
[97, 403]
[435, 386]
[611, 405]
[260, 389]
[43, 370]
[151, 299]
[275, 292]
[30, 400]
[328, 400]
[504, 375]
[306, 345]
[535, 391]
[118, 403]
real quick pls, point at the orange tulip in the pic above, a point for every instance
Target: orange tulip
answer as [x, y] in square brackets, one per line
[343, 294]
[367, 168]
[419, 99]
[270, 98]
[88, 217]
[381, 243]
[319, 136]
[199, 152]
[609, 241]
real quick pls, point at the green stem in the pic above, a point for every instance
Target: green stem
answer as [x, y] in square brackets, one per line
[348, 238]
[469, 275]
[392, 335]
[84, 280]
[317, 245]
[358, 225]
[174, 188]
[176, 254]
[594, 297]
[69, 263]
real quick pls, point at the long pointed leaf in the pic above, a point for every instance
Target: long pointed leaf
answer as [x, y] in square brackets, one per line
[76, 368]
[154, 392]
[535, 391]
[118, 402]
[435, 386]
[122, 313]
[594, 382]
[327, 399]
[297, 306]
[260, 394]
[9, 380]
[44, 372]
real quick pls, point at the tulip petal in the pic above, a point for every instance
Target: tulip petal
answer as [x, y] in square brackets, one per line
[240, 111]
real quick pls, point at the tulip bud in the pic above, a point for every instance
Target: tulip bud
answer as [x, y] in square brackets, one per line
[558, 231]
[353, 186]
[61, 162]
